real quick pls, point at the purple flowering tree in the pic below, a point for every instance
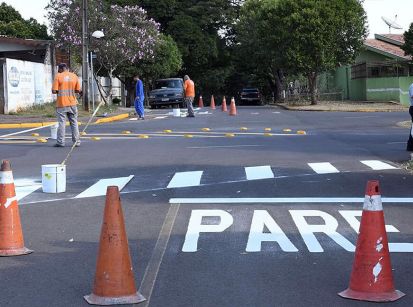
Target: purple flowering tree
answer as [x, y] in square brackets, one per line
[130, 36]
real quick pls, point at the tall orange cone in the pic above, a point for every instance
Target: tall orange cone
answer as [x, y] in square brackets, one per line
[11, 233]
[114, 278]
[371, 277]
[232, 107]
[224, 105]
[201, 102]
[213, 103]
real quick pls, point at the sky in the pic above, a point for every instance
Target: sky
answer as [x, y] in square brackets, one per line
[375, 9]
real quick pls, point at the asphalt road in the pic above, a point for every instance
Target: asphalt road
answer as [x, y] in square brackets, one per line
[224, 187]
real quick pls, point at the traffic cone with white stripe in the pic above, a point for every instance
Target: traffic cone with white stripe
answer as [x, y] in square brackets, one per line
[114, 278]
[224, 105]
[371, 277]
[11, 233]
[201, 102]
[213, 103]
[232, 108]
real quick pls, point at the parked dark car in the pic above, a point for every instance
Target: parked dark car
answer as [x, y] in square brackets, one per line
[250, 95]
[167, 92]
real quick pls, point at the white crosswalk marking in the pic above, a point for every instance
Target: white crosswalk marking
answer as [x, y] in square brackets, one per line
[377, 165]
[99, 188]
[323, 168]
[185, 179]
[259, 172]
[25, 187]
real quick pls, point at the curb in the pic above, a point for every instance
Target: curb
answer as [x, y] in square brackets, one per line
[43, 124]
[112, 118]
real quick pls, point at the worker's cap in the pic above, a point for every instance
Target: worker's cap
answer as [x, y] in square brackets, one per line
[62, 66]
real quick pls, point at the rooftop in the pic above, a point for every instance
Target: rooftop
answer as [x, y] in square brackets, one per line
[388, 45]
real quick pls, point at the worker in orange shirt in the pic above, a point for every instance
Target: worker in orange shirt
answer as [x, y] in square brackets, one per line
[65, 85]
[189, 89]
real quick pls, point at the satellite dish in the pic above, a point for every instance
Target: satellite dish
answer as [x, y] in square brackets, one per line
[392, 23]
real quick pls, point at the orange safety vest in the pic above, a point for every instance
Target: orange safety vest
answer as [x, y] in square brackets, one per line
[66, 83]
[189, 88]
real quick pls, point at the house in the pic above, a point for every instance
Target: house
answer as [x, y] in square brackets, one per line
[382, 72]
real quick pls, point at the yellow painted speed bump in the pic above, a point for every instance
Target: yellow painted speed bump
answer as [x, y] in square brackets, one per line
[35, 134]
[206, 129]
[243, 128]
[41, 140]
[95, 138]
[143, 136]
[126, 132]
[230, 135]
[287, 130]
[167, 131]
[83, 133]
[301, 132]
[188, 135]
[267, 129]
[267, 134]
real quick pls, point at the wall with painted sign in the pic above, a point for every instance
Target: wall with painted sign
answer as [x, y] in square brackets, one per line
[25, 84]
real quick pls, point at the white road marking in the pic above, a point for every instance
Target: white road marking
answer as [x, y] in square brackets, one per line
[99, 188]
[323, 168]
[133, 119]
[160, 117]
[23, 191]
[285, 200]
[228, 146]
[28, 130]
[259, 172]
[185, 179]
[377, 165]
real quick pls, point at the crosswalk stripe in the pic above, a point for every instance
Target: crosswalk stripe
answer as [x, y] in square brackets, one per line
[259, 172]
[323, 168]
[23, 191]
[99, 188]
[377, 165]
[185, 179]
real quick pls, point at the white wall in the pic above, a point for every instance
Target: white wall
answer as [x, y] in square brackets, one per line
[26, 84]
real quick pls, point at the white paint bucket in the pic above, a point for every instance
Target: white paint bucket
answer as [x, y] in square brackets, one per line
[53, 131]
[54, 178]
[176, 112]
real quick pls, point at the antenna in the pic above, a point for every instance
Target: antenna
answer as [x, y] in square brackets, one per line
[392, 23]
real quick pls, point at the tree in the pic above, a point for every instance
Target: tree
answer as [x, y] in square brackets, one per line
[130, 36]
[408, 41]
[318, 35]
[12, 24]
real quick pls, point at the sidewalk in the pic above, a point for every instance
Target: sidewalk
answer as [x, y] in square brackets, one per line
[345, 106]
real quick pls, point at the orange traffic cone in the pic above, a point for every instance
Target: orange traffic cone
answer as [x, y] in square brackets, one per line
[224, 105]
[372, 278]
[232, 107]
[114, 278]
[201, 102]
[11, 233]
[213, 103]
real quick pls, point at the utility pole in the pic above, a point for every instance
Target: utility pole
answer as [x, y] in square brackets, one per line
[85, 64]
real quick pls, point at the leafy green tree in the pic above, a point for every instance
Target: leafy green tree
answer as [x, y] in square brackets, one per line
[12, 24]
[318, 35]
[408, 41]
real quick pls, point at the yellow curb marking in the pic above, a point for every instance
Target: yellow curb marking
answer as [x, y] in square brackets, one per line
[35, 134]
[243, 128]
[229, 135]
[167, 131]
[301, 132]
[126, 132]
[95, 138]
[143, 136]
[287, 130]
[41, 141]
[189, 136]
[206, 129]
[267, 129]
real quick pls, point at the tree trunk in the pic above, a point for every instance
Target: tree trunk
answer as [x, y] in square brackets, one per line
[312, 84]
[130, 88]
[109, 92]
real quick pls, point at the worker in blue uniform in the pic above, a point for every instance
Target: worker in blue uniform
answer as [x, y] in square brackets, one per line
[140, 98]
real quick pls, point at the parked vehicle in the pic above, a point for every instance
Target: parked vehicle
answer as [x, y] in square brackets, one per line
[167, 92]
[250, 95]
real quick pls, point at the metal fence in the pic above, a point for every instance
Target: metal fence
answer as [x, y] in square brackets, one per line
[382, 69]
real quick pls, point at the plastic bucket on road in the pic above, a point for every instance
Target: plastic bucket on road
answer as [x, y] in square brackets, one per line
[54, 178]
[176, 112]
[53, 132]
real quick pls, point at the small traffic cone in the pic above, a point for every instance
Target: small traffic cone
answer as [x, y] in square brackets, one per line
[114, 278]
[224, 105]
[232, 107]
[372, 278]
[213, 103]
[201, 102]
[11, 233]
